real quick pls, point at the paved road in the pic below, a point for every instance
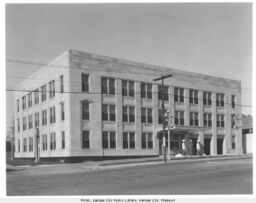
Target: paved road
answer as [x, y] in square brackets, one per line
[209, 177]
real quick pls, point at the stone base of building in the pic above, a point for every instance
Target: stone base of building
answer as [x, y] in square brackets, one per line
[79, 159]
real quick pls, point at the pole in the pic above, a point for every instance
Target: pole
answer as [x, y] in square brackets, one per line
[169, 143]
[164, 138]
[12, 147]
[36, 145]
[162, 89]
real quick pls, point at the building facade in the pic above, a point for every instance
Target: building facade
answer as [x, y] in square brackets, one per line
[91, 106]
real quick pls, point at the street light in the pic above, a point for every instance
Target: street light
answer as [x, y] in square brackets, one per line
[162, 88]
[170, 125]
[37, 145]
[237, 119]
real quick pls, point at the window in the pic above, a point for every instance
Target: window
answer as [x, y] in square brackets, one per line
[24, 123]
[63, 139]
[36, 96]
[18, 105]
[85, 82]
[128, 88]
[179, 118]
[146, 115]
[146, 90]
[24, 144]
[30, 99]
[220, 120]
[53, 141]
[85, 110]
[220, 100]
[44, 117]
[37, 119]
[108, 112]
[207, 119]
[163, 92]
[18, 124]
[52, 114]
[193, 120]
[108, 85]
[233, 142]
[52, 88]
[160, 116]
[24, 102]
[44, 142]
[86, 139]
[18, 145]
[62, 110]
[30, 122]
[30, 146]
[61, 84]
[233, 122]
[109, 140]
[233, 101]
[146, 141]
[128, 114]
[129, 140]
[193, 96]
[43, 93]
[207, 98]
[178, 94]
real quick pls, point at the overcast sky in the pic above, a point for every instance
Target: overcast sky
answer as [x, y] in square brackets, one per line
[208, 38]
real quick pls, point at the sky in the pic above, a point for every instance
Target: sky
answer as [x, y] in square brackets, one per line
[207, 38]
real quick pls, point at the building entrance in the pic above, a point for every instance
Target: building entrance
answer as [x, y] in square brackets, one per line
[194, 141]
[207, 146]
[175, 143]
[220, 146]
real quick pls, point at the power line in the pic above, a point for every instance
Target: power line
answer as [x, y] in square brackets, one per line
[72, 92]
[101, 70]
[66, 81]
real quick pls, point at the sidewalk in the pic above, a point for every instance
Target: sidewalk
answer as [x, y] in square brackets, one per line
[112, 164]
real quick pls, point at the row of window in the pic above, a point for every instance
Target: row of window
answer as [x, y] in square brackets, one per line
[108, 87]
[44, 145]
[42, 89]
[43, 118]
[109, 140]
[109, 114]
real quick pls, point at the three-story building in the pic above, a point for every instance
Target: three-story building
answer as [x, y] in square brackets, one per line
[90, 106]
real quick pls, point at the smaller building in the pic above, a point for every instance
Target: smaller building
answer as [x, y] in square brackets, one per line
[247, 136]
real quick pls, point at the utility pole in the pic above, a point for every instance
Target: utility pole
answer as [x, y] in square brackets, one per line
[36, 145]
[237, 118]
[169, 116]
[162, 89]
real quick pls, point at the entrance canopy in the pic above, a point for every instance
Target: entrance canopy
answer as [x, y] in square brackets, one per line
[185, 129]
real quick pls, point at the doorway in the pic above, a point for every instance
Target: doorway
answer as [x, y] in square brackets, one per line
[207, 146]
[220, 146]
[194, 141]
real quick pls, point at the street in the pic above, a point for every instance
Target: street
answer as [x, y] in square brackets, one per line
[207, 177]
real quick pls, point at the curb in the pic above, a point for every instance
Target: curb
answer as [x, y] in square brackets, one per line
[181, 159]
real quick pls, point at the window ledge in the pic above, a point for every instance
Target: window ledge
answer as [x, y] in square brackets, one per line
[147, 124]
[146, 99]
[129, 123]
[108, 95]
[129, 97]
[109, 122]
[179, 103]
[193, 104]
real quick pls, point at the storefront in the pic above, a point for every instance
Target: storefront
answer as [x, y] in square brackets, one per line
[184, 140]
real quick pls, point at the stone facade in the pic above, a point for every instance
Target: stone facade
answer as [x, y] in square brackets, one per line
[72, 64]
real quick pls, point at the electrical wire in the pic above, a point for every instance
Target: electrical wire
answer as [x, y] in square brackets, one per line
[72, 92]
[101, 70]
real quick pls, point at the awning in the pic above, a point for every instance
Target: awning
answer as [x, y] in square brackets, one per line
[185, 129]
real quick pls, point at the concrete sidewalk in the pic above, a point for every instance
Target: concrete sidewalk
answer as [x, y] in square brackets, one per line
[111, 164]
